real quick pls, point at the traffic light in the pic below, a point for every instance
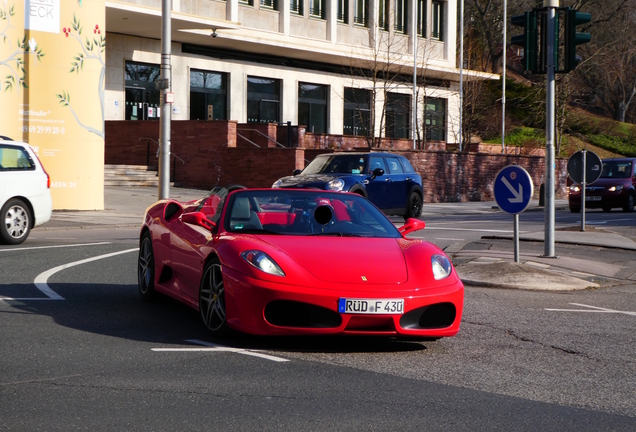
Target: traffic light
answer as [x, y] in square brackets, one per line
[527, 40]
[573, 38]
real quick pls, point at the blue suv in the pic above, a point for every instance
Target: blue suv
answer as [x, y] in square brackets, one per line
[387, 180]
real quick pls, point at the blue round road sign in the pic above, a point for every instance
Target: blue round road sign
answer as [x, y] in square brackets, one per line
[513, 189]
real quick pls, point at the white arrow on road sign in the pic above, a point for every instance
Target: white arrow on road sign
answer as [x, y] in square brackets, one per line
[518, 195]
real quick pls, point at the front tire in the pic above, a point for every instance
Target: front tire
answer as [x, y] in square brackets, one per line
[16, 222]
[146, 268]
[414, 206]
[629, 205]
[212, 299]
[575, 209]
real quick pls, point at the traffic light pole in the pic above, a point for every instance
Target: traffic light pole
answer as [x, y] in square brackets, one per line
[549, 188]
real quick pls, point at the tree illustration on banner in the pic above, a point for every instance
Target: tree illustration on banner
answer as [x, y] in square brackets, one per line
[92, 49]
[14, 61]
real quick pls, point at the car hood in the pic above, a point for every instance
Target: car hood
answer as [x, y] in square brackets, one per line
[311, 180]
[346, 259]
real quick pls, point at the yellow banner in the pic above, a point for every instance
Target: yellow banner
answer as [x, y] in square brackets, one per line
[52, 66]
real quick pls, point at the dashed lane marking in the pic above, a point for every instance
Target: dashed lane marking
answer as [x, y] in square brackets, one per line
[41, 279]
[220, 348]
[593, 309]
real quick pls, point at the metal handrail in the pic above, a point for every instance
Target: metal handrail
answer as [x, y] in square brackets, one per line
[174, 156]
[248, 140]
[261, 133]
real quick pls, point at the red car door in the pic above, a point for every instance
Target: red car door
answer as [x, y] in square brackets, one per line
[187, 258]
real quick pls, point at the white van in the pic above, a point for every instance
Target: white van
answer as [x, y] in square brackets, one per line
[25, 192]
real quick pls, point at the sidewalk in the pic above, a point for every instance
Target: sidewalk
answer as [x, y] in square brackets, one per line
[125, 207]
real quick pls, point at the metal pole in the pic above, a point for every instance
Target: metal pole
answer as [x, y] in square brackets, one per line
[583, 190]
[461, 74]
[516, 235]
[549, 131]
[166, 111]
[503, 81]
[414, 33]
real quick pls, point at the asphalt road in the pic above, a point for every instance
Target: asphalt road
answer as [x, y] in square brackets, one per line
[98, 358]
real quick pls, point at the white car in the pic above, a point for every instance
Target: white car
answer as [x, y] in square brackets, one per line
[25, 191]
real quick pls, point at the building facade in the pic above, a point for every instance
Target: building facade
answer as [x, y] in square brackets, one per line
[341, 67]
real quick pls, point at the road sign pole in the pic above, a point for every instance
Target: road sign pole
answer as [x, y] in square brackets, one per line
[583, 184]
[516, 230]
[549, 131]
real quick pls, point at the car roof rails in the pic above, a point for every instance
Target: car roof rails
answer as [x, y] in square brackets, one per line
[6, 138]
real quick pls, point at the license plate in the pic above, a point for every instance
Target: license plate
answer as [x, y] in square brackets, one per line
[592, 198]
[371, 306]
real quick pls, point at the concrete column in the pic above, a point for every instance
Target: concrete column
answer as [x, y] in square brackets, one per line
[289, 101]
[238, 101]
[332, 20]
[283, 23]
[231, 10]
[336, 109]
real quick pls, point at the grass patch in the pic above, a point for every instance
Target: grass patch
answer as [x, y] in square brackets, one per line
[615, 144]
[522, 137]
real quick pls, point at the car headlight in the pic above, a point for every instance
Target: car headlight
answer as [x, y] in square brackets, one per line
[575, 188]
[442, 267]
[276, 184]
[263, 262]
[615, 188]
[336, 185]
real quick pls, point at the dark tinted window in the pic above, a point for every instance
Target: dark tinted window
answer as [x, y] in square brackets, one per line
[614, 169]
[376, 162]
[408, 168]
[394, 165]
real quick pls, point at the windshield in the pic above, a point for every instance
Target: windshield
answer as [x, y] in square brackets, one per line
[613, 169]
[212, 204]
[336, 164]
[307, 213]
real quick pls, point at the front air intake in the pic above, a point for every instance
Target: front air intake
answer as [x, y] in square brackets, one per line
[434, 316]
[286, 313]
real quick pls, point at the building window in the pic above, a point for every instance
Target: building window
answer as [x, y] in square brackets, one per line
[421, 18]
[397, 115]
[296, 6]
[343, 11]
[383, 14]
[400, 16]
[142, 98]
[435, 123]
[357, 112]
[361, 12]
[247, 2]
[312, 107]
[208, 95]
[316, 8]
[437, 32]
[268, 4]
[263, 100]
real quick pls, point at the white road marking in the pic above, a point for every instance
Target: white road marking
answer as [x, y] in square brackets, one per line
[221, 348]
[41, 279]
[428, 227]
[53, 247]
[593, 309]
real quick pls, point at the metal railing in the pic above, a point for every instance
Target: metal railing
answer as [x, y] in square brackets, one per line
[260, 133]
[173, 176]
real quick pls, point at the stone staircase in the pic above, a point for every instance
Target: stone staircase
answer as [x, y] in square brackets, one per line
[130, 175]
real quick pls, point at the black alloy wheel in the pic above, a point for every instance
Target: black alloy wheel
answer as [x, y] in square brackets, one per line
[414, 206]
[212, 299]
[629, 205]
[146, 268]
[15, 219]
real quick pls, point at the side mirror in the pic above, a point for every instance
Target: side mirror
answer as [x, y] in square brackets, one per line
[410, 226]
[296, 172]
[199, 219]
[377, 173]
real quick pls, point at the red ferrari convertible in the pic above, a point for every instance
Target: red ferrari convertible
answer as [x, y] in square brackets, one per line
[291, 262]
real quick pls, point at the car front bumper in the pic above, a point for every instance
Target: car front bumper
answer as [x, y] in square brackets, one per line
[247, 301]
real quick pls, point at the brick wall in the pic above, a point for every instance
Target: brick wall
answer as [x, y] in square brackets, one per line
[211, 156]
